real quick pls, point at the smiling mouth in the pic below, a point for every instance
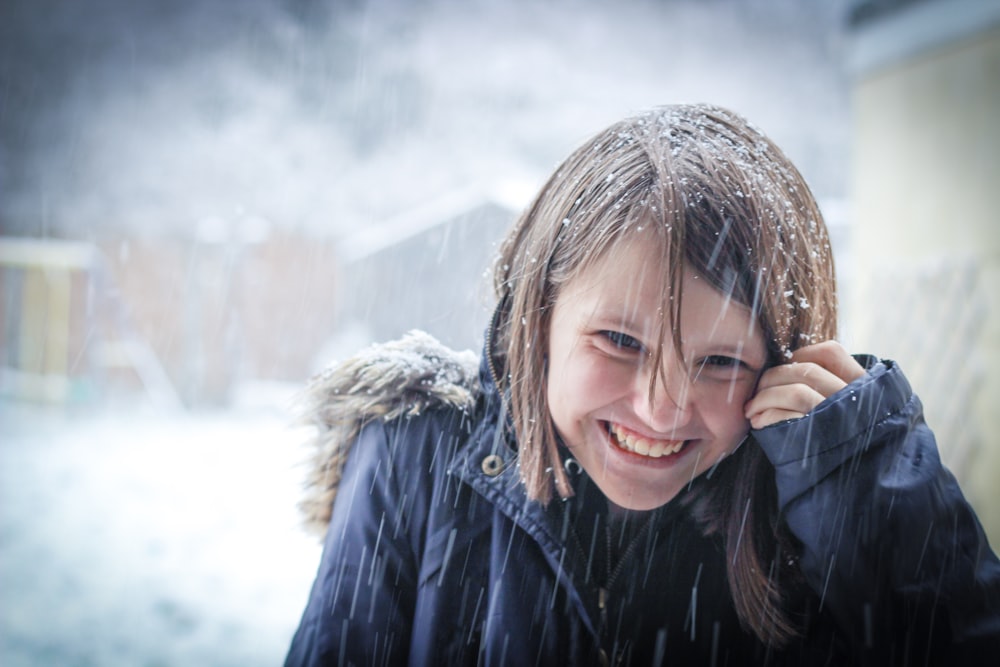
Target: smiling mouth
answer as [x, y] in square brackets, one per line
[636, 444]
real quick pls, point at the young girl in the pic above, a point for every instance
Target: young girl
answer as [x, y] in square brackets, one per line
[663, 456]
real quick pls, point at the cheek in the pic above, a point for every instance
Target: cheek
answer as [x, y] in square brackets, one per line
[600, 377]
[582, 382]
[723, 406]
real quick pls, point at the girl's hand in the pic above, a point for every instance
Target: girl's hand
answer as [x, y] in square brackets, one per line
[791, 390]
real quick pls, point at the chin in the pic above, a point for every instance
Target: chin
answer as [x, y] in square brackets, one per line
[640, 502]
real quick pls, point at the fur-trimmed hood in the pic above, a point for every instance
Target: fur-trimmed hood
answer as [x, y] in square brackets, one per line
[383, 381]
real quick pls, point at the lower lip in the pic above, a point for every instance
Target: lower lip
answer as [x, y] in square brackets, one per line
[664, 461]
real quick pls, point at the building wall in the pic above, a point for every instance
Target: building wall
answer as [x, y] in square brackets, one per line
[216, 315]
[925, 177]
[438, 281]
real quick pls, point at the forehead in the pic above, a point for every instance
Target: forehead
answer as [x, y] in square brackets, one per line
[623, 288]
[638, 257]
[630, 274]
[628, 286]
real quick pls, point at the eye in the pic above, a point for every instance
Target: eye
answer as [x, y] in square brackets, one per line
[722, 367]
[622, 341]
[720, 361]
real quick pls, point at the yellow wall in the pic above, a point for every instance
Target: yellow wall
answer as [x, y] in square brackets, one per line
[926, 186]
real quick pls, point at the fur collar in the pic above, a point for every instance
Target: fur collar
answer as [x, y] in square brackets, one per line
[385, 381]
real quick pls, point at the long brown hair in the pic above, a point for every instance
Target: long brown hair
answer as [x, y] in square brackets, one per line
[715, 192]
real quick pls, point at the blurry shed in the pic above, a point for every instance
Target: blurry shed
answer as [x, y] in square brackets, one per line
[429, 270]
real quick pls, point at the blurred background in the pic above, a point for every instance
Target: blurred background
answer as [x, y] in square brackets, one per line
[204, 203]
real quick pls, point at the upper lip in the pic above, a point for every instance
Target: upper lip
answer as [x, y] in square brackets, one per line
[642, 434]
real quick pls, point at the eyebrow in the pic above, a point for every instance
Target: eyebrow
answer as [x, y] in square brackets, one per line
[601, 318]
[725, 346]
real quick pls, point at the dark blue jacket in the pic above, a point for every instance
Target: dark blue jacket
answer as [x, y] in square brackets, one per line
[434, 555]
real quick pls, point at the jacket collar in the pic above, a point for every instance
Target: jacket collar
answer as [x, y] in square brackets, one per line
[380, 383]
[489, 462]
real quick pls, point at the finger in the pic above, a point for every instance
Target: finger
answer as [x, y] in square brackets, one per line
[832, 356]
[798, 398]
[773, 416]
[814, 376]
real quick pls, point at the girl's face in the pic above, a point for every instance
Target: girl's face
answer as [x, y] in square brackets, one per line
[642, 453]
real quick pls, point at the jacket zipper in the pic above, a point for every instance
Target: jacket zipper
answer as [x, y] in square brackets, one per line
[489, 349]
[602, 592]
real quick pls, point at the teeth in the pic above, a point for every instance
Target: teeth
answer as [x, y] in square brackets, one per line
[638, 445]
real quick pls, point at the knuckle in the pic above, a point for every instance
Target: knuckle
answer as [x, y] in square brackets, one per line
[830, 344]
[805, 396]
[833, 351]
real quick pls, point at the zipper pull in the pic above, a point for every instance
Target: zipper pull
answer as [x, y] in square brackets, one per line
[602, 604]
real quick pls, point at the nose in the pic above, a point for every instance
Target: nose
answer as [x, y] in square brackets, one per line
[669, 406]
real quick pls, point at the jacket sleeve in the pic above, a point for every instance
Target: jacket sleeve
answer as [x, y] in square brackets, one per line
[361, 604]
[889, 543]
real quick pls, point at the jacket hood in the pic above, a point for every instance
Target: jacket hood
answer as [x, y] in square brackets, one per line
[382, 382]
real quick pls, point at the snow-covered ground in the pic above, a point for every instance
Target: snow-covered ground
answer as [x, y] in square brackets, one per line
[151, 540]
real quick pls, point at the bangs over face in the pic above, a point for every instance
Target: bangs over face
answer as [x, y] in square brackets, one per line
[707, 189]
